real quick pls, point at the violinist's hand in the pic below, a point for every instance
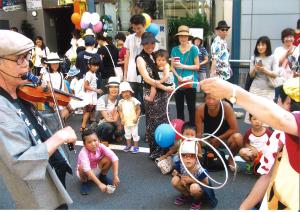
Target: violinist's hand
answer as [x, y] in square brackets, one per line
[66, 135]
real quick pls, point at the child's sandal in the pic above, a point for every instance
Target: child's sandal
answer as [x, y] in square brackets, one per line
[196, 205]
[180, 200]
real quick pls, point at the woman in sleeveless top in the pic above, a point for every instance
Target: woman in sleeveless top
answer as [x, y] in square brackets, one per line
[155, 111]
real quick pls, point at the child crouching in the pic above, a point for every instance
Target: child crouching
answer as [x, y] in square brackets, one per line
[96, 159]
[186, 185]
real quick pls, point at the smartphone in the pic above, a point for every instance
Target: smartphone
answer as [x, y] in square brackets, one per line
[259, 62]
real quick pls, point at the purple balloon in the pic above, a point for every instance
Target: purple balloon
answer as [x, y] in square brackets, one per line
[98, 27]
[84, 25]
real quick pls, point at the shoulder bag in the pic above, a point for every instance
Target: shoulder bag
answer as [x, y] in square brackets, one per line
[118, 70]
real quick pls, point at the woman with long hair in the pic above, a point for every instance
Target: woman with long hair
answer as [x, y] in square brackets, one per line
[39, 54]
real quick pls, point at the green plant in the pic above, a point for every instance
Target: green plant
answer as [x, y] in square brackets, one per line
[27, 29]
[193, 21]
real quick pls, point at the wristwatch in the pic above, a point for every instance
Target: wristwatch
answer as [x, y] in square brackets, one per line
[232, 99]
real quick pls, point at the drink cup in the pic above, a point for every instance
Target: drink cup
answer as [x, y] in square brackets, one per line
[110, 189]
[176, 59]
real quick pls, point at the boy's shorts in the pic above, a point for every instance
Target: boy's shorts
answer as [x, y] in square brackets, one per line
[132, 132]
[95, 170]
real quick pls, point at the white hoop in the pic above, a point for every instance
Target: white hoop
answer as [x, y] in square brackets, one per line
[207, 143]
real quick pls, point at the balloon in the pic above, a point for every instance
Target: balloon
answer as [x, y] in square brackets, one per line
[148, 20]
[86, 18]
[164, 135]
[154, 28]
[98, 27]
[95, 18]
[77, 26]
[75, 18]
[83, 25]
[177, 124]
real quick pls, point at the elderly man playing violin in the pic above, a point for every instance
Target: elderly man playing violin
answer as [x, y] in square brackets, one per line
[32, 162]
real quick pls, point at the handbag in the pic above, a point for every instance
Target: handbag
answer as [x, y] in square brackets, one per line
[211, 161]
[118, 70]
[186, 78]
[165, 165]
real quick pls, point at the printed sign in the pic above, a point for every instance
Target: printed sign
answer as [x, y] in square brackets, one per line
[34, 5]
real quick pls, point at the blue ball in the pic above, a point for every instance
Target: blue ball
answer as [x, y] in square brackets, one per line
[153, 28]
[164, 135]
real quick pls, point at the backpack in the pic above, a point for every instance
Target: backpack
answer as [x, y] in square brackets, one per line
[211, 161]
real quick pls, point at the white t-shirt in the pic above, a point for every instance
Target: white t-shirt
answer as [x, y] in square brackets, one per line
[39, 53]
[285, 72]
[128, 106]
[133, 44]
[56, 79]
[91, 96]
[110, 108]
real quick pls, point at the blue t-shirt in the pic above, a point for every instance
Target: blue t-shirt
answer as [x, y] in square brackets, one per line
[187, 59]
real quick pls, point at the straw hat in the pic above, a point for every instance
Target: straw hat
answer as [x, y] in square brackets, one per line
[113, 81]
[53, 58]
[184, 30]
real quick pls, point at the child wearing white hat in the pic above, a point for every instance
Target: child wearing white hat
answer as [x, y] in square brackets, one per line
[129, 110]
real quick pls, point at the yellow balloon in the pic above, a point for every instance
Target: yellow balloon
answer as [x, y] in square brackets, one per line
[148, 19]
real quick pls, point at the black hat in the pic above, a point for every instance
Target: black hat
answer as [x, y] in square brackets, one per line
[148, 37]
[222, 24]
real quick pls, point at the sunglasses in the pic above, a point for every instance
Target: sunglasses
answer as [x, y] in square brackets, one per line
[224, 30]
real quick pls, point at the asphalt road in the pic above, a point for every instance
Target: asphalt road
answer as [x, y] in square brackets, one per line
[142, 185]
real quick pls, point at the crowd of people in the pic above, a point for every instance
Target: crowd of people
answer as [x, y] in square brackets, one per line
[111, 105]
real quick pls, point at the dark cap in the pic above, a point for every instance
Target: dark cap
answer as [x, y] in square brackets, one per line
[89, 40]
[222, 24]
[148, 37]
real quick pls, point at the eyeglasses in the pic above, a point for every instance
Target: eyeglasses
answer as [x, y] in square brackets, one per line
[224, 30]
[20, 59]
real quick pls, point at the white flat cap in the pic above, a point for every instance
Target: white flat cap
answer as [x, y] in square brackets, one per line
[14, 43]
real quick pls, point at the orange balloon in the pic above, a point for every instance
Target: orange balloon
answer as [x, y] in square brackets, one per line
[77, 26]
[75, 18]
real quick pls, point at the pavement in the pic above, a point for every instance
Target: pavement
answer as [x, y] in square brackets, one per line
[142, 185]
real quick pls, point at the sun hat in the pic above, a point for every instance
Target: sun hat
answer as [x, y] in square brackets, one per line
[292, 88]
[188, 147]
[73, 71]
[88, 32]
[222, 24]
[184, 30]
[14, 43]
[113, 81]
[125, 86]
[53, 58]
[148, 37]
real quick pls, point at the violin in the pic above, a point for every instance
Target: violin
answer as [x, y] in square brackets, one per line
[32, 93]
[35, 93]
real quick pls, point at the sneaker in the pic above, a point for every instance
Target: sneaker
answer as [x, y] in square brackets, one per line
[249, 168]
[105, 180]
[180, 200]
[84, 188]
[127, 149]
[135, 150]
[196, 205]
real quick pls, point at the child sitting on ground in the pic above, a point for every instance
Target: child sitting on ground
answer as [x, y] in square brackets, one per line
[91, 91]
[129, 110]
[188, 130]
[255, 139]
[185, 184]
[96, 159]
[165, 74]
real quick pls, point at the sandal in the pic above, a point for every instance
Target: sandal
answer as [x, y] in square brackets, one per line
[180, 200]
[196, 205]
